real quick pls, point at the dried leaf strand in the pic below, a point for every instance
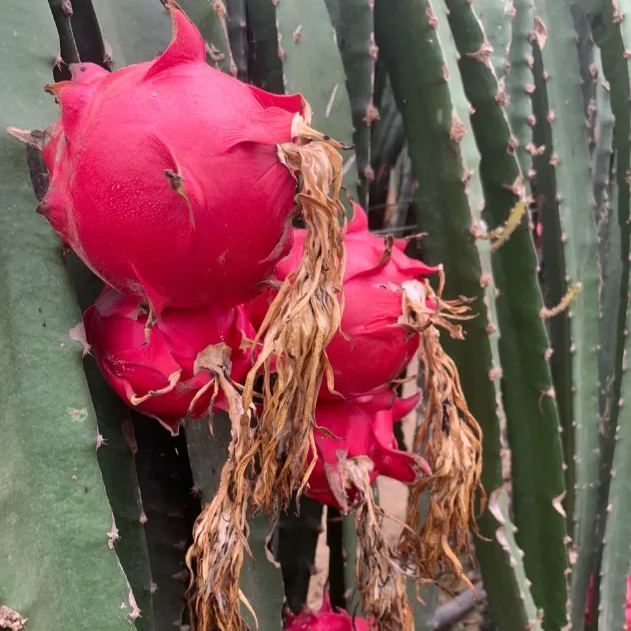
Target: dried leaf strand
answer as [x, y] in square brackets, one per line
[300, 323]
[379, 577]
[450, 439]
[221, 530]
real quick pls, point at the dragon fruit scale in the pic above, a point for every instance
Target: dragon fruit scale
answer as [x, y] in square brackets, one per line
[158, 377]
[165, 178]
[350, 429]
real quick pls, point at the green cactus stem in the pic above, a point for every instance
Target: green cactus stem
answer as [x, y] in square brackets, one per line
[520, 82]
[238, 36]
[527, 393]
[265, 65]
[354, 31]
[312, 65]
[444, 160]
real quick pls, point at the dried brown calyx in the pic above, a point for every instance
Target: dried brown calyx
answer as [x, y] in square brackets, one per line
[449, 437]
[300, 323]
[220, 532]
[290, 346]
[379, 576]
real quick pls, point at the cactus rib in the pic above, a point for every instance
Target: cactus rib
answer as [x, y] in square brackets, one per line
[527, 392]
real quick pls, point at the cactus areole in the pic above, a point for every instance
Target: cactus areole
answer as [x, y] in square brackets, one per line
[165, 178]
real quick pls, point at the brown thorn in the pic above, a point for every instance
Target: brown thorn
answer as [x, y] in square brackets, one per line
[177, 184]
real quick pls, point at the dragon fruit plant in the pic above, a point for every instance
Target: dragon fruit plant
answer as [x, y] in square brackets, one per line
[162, 182]
[202, 163]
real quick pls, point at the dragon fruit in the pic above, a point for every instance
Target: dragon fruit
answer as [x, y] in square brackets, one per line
[165, 176]
[374, 346]
[326, 619]
[176, 183]
[349, 429]
[158, 377]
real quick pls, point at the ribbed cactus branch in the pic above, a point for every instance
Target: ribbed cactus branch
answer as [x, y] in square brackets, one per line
[117, 462]
[444, 160]
[527, 391]
[298, 532]
[499, 506]
[261, 578]
[355, 34]
[554, 279]
[496, 17]
[169, 507]
[68, 51]
[611, 269]
[387, 140]
[520, 82]
[401, 188]
[312, 65]
[603, 138]
[265, 66]
[586, 60]
[340, 566]
[238, 35]
[617, 541]
[570, 159]
[612, 32]
[612, 36]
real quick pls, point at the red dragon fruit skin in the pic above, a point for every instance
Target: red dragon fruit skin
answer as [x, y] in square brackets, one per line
[164, 176]
[346, 430]
[589, 607]
[326, 619]
[373, 349]
[115, 331]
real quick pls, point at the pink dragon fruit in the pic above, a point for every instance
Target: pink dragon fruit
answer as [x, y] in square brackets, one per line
[348, 429]
[158, 377]
[374, 347]
[326, 619]
[165, 179]
[589, 607]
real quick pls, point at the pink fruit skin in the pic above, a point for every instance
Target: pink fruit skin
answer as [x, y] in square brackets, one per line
[349, 429]
[208, 238]
[114, 328]
[327, 619]
[373, 348]
[589, 608]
